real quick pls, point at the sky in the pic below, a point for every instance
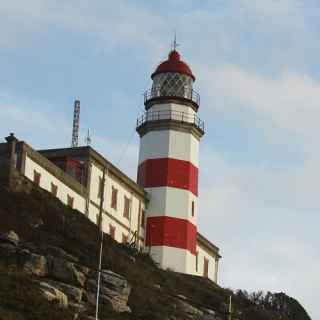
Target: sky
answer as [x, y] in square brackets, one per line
[257, 69]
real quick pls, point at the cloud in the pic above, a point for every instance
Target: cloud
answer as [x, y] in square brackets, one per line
[25, 22]
[260, 213]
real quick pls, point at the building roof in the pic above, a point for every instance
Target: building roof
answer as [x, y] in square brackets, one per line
[88, 152]
[174, 64]
[207, 244]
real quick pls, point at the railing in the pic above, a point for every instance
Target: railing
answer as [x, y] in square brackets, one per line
[185, 93]
[170, 115]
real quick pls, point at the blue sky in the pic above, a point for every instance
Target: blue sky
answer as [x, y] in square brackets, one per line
[257, 69]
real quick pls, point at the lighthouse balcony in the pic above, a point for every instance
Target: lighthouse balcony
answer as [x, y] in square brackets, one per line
[171, 119]
[185, 95]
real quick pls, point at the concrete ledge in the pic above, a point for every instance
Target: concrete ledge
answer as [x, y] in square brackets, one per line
[168, 124]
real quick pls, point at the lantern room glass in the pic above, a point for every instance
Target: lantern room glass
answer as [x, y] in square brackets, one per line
[172, 84]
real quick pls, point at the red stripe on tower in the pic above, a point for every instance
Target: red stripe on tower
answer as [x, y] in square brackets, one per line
[168, 172]
[171, 232]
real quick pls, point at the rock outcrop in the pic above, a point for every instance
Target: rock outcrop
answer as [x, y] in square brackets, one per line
[114, 291]
[62, 281]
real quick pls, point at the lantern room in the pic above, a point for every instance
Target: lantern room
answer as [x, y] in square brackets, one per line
[173, 78]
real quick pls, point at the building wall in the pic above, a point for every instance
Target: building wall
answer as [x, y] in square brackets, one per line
[47, 178]
[115, 217]
[203, 253]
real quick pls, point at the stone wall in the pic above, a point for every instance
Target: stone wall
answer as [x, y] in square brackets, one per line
[19, 183]
[4, 164]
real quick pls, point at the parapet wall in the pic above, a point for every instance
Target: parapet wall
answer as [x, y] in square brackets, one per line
[4, 164]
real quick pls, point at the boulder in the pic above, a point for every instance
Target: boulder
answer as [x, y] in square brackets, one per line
[66, 271]
[78, 308]
[114, 291]
[73, 293]
[60, 253]
[36, 223]
[35, 264]
[190, 311]
[8, 254]
[209, 317]
[6, 313]
[10, 237]
[53, 294]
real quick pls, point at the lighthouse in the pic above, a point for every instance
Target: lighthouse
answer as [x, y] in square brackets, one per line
[170, 132]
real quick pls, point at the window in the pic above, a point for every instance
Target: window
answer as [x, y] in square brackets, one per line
[36, 177]
[100, 187]
[126, 207]
[192, 208]
[205, 267]
[54, 189]
[112, 231]
[197, 255]
[70, 201]
[143, 218]
[114, 198]
[124, 238]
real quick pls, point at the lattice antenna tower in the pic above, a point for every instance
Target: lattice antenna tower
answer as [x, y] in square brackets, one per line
[76, 124]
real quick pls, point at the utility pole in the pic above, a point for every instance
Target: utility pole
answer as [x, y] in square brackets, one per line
[230, 307]
[101, 243]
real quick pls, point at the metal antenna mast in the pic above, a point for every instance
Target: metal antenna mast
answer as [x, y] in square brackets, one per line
[76, 124]
[88, 139]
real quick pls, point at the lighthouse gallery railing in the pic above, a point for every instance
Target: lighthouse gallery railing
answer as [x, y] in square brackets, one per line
[161, 92]
[170, 115]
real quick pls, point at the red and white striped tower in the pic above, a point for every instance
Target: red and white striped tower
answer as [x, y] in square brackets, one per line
[170, 132]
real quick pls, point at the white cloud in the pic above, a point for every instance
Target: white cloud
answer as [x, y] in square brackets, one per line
[264, 215]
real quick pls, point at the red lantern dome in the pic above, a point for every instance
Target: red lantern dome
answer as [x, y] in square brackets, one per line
[174, 65]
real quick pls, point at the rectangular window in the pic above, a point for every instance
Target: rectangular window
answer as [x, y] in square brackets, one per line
[197, 256]
[54, 189]
[36, 177]
[114, 198]
[205, 267]
[100, 187]
[112, 231]
[143, 218]
[70, 201]
[192, 208]
[124, 238]
[126, 207]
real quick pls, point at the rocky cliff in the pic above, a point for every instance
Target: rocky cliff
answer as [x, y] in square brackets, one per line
[48, 259]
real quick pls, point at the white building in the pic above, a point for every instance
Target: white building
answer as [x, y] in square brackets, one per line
[159, 213]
